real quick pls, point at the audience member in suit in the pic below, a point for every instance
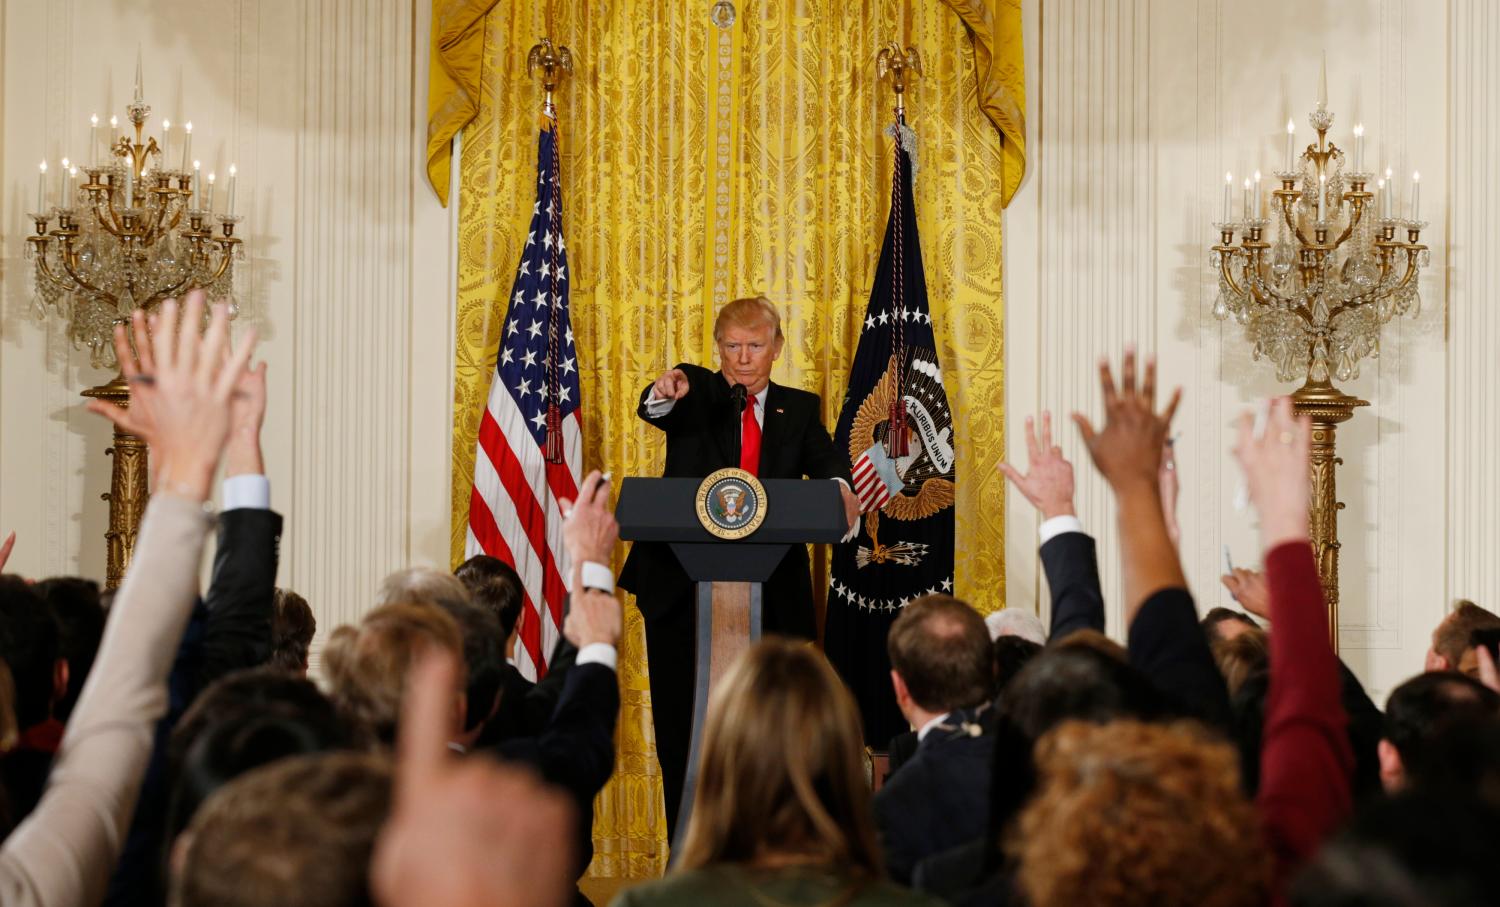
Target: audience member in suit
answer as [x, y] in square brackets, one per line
[791, 826]
[525, 706]
[29, 645]
[1418, 713]
[942, 668]
[692, 405]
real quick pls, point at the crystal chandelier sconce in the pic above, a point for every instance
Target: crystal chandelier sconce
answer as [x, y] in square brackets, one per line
[138, 226]
[1320, 267]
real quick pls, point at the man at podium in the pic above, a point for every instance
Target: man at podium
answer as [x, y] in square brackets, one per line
[773, 431]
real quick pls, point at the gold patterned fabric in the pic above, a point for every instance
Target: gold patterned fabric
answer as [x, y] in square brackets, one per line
[700, 164]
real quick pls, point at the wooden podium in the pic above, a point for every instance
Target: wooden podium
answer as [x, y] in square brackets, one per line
[728, 573]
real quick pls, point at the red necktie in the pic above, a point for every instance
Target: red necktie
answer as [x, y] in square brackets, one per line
[750, 439]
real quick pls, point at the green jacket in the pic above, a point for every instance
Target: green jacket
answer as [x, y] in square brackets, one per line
[736, 886]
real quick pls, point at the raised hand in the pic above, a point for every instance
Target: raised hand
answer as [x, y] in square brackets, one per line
[1249, 589]
[5, 549]
[247, 413]
[672, 385]
[589, 527]
[187, 394]
[466, 832]
[1128, 449]
[1275, 465]
[138, 367]
[1048, 482]
[593, 617]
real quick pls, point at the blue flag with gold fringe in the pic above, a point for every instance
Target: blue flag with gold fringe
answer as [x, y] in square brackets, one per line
[897, 430]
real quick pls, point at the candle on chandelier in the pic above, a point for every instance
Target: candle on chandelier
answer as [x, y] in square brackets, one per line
[232, 180]
[1257, 195]
[208, 197]
[94, 141]
[1291, 143]
[41, 189]
[1416, 196]
[1394, 206]
[1247, 198]
[1228, 183]
[72, 175]
[1359, 147]
[1322, 197]
[187, 145]
[1323, 84]
[1385, 201]
[139, 92]
[130, 185]
[67, 187]
[197, 183]
[166, 139]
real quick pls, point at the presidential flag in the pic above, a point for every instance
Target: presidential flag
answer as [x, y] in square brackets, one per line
[530, 440]
[897, 430]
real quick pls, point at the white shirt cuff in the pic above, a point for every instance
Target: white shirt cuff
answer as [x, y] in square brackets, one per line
[1051, 529]
[247, 492]
[601, 653]
[853, 530]
[598, 576]
[656, 407]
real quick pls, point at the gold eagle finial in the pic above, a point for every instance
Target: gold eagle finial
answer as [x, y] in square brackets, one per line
[553, 62]
[894, 63]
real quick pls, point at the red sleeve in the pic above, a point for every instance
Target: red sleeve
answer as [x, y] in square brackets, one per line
[1306, 761]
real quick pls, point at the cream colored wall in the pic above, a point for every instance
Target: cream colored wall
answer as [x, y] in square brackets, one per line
[321, 103]
[1136, 109]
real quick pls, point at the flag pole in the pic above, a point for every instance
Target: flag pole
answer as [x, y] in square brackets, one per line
[552, 63]
[897, 65]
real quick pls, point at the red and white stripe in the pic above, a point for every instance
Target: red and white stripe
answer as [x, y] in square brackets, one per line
[869, 486]
[514, 515]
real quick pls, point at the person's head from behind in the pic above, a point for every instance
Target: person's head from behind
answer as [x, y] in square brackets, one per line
[292, 629]
[748, 333]
[1241, 656]
[420, 584]
[299, 831]
[74, 602]
[29, 645]
[1414, 849]
[941, 658]
[243, 721]
[367, 664]
[1131, 813]
[1421, 711]
[484, 659]
[782, 770]
[1450, 641]
[1226, 623]
[495, 586]
[1011, 653]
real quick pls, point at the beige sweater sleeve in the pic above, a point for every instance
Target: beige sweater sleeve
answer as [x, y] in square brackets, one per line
[64, 852]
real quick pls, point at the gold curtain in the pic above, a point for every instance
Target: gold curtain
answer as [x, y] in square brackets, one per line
[700, 164]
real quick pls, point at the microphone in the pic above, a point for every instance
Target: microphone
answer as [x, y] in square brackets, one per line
[738, 396]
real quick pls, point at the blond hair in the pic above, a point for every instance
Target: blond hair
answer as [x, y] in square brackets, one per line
[782, 768]
[750, 312]
[1242, 657]
[367, 665]
[1129, 813]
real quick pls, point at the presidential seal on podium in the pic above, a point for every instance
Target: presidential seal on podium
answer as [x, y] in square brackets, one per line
[731, 503]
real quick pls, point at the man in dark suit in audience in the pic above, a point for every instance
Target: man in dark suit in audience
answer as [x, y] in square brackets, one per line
[778, 435]
[942, 671]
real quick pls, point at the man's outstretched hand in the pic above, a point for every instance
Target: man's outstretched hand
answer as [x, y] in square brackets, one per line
[1048, 481]
[672, 385]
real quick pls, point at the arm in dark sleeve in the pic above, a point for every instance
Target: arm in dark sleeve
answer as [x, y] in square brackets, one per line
[240, 599]
[1072, 568]
[1305, 758]
[576, 750]
[820, 458]
[681, 410]
[542, 699]
[1169, 647]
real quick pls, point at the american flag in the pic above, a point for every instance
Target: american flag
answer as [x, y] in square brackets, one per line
[530, 444]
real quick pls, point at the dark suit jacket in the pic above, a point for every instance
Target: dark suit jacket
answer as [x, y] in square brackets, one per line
[702, 437]
[526, 707]
[938, 800]
[1072, 569]
[576, 749]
